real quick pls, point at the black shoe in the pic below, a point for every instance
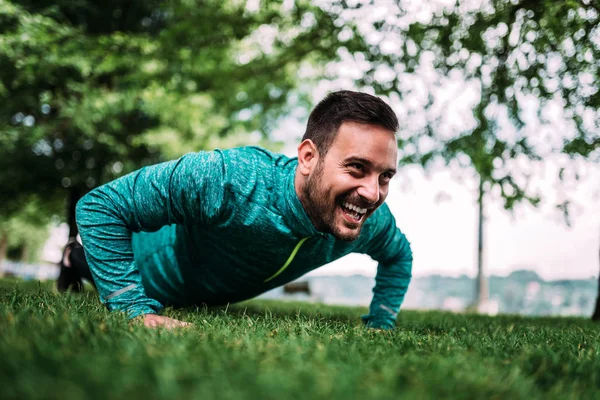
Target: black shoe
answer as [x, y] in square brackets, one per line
[68, 276]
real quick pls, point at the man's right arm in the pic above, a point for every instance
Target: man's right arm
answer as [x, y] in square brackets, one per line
[186, 191]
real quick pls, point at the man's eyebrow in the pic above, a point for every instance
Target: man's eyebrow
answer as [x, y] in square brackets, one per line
[366, 162]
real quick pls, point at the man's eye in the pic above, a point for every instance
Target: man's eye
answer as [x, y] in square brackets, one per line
[385, 178]
[357, 166]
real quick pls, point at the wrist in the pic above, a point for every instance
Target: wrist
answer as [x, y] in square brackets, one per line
[379, 321]
[140, 311]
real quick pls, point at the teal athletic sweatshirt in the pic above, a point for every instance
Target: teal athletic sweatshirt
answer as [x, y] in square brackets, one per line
[219, 227]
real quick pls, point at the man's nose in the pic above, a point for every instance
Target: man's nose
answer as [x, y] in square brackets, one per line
[369, 190]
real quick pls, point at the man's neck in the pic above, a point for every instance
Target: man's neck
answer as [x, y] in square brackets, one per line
[299, 182]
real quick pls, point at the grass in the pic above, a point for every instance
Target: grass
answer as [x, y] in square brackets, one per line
[69, 347]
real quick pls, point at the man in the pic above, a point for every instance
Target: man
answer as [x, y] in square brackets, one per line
[227, 225]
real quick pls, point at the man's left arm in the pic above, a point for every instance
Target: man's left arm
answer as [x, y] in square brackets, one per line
[391, 249]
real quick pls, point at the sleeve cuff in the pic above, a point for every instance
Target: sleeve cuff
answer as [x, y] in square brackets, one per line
[132, 301]
[378, 322]
[134, 311]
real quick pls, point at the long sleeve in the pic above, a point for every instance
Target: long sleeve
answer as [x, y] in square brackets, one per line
[392, 250]
[186, 191]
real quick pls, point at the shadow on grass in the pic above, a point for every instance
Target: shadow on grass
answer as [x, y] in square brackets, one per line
[279, 309]
[12, 289]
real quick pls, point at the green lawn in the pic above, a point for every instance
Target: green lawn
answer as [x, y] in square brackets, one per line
[68, 347]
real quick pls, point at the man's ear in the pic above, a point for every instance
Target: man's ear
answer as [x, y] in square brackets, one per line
[308, 157]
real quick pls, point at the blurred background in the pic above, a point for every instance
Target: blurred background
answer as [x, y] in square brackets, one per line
[499, 182]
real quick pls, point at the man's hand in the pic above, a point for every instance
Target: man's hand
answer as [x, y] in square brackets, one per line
[158, 321]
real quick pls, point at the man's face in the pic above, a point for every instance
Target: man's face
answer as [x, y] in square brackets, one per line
[351, 181]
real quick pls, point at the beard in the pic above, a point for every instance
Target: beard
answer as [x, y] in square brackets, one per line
[321, 210]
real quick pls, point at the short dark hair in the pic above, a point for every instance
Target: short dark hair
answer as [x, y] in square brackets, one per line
[346, 106]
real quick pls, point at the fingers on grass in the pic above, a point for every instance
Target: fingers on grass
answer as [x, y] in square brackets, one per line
[165, 322]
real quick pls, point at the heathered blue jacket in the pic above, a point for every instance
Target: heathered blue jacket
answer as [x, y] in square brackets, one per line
[218, 227]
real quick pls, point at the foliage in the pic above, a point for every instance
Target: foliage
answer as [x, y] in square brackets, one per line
[68, 347]
[91, 92]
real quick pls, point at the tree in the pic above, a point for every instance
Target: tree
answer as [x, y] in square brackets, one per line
[91, 92]
[520, 62]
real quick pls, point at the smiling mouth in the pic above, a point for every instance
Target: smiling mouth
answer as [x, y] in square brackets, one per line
[353, 213]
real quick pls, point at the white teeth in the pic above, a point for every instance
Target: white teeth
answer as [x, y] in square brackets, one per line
[354, 208]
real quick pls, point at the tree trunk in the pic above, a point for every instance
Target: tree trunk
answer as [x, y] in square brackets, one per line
[596, 315]
[3, 246]
[24, 253]
[74, 196]
[481, 287]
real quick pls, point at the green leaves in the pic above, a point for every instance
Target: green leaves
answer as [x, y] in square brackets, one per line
[89, 93]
